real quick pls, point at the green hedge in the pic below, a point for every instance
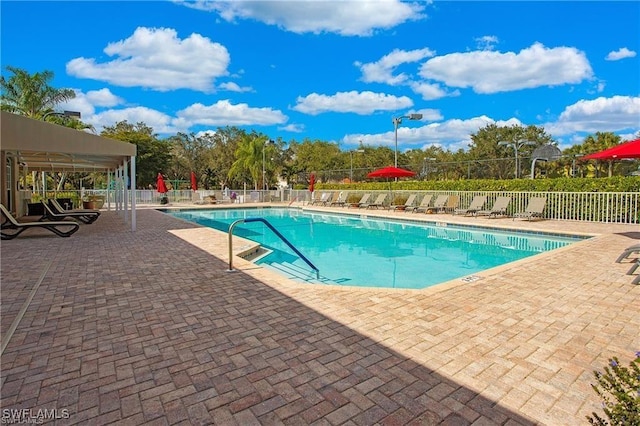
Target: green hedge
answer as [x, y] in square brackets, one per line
[612, 184]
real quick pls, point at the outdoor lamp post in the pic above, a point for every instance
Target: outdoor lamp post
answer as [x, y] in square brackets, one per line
[351, 155]
[573, 164]
[396, 122]
[264, 175]
[516, 146]
[69, 114]
[426, 166]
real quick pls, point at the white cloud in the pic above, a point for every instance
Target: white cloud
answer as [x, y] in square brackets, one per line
[493, 72]
[621, 53]
[294, 128]
[356, 102]
[431, 91]
[598, 115]
[224, 113]
[159, 60]
[158, 121]
[486, 42]
[347, 18]
[86, 103]
[233, 87]
[103, 98]
[451, 134]
[382, 70]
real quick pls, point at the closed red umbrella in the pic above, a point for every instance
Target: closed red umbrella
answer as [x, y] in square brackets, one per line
[312, 182]
[162, 187]
[624, 150]
[194, 182]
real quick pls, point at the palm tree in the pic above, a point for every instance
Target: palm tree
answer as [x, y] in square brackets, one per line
[249, 158]
[31, 95]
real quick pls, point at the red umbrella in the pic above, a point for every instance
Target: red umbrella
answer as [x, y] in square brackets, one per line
[390, 172]
[624, 150]
[162, 187]
[312, 182]
[194, 182]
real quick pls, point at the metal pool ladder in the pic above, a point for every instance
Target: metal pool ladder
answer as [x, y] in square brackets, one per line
[275, 231]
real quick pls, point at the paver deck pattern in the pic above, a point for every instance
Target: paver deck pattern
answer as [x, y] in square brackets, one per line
[148, 327]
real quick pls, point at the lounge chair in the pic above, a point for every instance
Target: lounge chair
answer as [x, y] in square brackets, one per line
[50, 214]
[11, 228]
[628, 251]
[407, 204]
[379, 202]
[84, 215]
[438, 204]
[499, 208]
[424, 204]
[334, 197]
[477, 203]
[323, 198]
[341, 201]
[453, 201]
[534, 209]
[363, 200]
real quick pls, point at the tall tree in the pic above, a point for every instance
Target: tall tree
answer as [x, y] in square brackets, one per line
[600, 142]
[250, 158]
[34, 97]
[31, 95]
[153, 156]
[485, 145]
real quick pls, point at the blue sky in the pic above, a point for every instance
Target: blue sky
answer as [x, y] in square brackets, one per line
[339, 70]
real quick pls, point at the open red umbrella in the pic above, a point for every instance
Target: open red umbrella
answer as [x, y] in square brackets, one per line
[390, 172]
[312, 182]
[194, 182]
[624, 150]
[162, 187]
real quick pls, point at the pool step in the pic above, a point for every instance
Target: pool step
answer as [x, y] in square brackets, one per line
[297, 272]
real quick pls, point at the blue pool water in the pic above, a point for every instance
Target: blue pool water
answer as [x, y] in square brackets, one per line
[372, 252]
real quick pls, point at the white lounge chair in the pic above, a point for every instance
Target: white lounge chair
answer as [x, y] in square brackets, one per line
[628, 251]
[424, 204]
[378, 203]
[477, 203]
[407, 204]
[363, 200]
[499, 208]
[534, 209]
[323, 199]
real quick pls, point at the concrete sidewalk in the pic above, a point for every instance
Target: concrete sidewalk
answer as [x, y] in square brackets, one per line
[114, 327]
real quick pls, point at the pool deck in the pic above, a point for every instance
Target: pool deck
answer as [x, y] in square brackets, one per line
[111, 326]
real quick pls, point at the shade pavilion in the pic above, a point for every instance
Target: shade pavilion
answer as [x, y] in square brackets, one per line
[28, 145]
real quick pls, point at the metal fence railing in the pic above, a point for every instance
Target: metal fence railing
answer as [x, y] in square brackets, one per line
[602, 207]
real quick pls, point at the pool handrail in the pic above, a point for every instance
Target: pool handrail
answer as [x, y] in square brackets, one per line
[275, 231]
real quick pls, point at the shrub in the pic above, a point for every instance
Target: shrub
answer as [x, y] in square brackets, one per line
[619, 389]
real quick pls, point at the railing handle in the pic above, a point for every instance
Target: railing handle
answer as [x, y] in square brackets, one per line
[275, 231]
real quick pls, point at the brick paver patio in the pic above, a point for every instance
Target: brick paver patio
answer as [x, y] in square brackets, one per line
[115, 327]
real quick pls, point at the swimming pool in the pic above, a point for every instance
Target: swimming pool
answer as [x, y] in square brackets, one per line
[375, 252]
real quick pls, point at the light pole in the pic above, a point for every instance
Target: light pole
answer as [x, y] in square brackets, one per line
[396, 122]
[516, 146]
[264, 148]
[70, 114]
[573, 164]
[351, 155]
[426, 167]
